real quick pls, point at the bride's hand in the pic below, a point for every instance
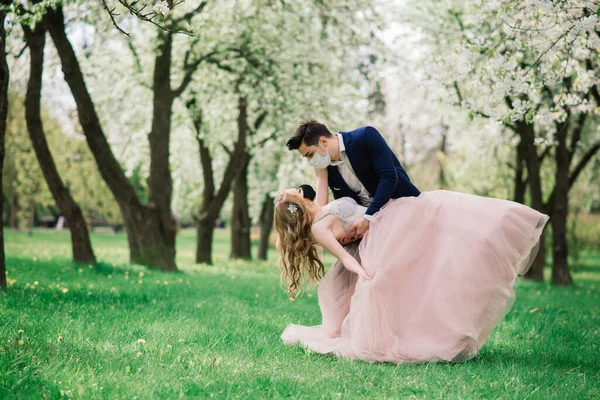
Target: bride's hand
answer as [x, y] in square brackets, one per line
[325, 238]
[363, 274]
[357, 269]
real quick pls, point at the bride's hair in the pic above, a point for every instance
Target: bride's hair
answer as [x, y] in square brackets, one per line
[298, 254]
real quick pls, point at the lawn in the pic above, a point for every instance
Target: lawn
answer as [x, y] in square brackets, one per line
[120, 331]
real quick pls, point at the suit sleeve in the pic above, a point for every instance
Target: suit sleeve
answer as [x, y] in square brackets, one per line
[384, 167]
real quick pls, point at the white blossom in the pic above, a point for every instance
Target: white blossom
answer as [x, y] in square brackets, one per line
[161, 7]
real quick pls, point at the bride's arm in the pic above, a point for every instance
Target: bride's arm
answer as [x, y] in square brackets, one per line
[325, 238]
[322, 189]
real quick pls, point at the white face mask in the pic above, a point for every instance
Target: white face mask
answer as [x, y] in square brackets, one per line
[320, 162]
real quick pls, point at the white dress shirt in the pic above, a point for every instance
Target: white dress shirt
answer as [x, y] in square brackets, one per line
[349, 176]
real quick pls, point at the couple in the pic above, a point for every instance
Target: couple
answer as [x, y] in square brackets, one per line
[433, 273]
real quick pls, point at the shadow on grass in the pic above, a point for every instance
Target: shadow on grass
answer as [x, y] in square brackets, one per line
[91, 288]
[25, 264]
[503, 357]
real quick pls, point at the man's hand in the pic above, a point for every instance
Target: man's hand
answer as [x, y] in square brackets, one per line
[356, 231]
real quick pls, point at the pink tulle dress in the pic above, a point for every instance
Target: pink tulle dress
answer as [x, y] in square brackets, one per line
[443, 268]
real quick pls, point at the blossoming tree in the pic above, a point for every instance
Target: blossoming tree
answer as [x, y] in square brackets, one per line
[532, 66]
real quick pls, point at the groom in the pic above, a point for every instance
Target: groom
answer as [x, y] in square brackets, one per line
[360, 165]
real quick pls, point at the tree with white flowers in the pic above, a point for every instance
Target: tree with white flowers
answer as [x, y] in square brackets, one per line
[532, 66]
[276, 77]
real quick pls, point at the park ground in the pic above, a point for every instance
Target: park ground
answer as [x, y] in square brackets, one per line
[120, 331]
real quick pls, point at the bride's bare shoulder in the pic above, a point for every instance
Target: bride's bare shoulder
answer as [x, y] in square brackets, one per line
[329, 222]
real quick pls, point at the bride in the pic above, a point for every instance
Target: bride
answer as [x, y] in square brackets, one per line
[431, 278]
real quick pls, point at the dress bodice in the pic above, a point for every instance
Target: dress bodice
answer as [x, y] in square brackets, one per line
[346, 209]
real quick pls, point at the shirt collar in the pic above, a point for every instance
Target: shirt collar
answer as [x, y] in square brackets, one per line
[341, 142]
[342, 149]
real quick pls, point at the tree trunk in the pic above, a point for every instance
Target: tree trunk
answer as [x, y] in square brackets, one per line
[240, 218]
[560, 209]
[574, 242]
[4, 78]
[558, 202]
[31, 220]
[442, 158]
[145, 236]
[205, 230]
[13, 211]
[150, 229]
[527, 133]
[160, 184]
[212, 201]
[82, 246]
[211, 206]
[266, 225]
[520, 183]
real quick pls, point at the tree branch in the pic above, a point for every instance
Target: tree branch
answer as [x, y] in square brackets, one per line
[577, 134]
[595, 94]
[537, 61]
[207, 169]
[220, 65]
[544, 154]
[575, 173]
[227, 150]
[20, 53]
[136, 56]
[267, 139]
[111, 14]
[583, 162]
[189, 15]
[259, 120]
[147, 16]
[460, 100]
[189, 71]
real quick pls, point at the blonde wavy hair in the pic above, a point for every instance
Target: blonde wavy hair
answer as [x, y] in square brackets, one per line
[297, 247]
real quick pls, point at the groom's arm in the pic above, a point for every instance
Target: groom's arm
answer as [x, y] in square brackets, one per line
[385, 169]
[383, 163]
[322, 187]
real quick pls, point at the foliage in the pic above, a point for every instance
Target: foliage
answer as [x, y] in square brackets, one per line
[24, 184]
[24, 180]
[505, 61]
[586, 230]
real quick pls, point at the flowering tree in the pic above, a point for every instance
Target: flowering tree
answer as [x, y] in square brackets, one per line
[150, 11]
[531, 66]
[151, 227]
[288, 83]
[268, 78]
[214, 197]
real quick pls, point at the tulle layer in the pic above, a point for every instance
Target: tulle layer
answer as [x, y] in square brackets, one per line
[443, 268]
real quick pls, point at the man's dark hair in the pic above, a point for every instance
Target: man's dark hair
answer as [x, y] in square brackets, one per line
[308, 132]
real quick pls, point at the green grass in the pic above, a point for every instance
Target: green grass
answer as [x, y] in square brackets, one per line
[106, 331]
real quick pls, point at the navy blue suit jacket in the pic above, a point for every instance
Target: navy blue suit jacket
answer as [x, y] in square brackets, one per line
[376, 167]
